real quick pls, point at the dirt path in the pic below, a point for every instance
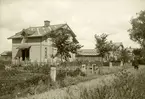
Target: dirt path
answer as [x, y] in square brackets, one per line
[75, 89]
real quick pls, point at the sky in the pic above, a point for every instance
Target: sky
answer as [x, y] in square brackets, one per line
[85, 17]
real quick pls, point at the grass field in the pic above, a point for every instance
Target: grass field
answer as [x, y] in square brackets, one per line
[35, 80]
[127, 84]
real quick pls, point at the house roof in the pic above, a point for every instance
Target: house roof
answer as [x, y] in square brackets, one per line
[39, 31]
[118, 44]
[6, 53]
[88, 52]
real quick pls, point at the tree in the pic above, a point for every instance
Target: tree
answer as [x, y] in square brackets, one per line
[115, 49]
[124, 55]
[102, 45]
[63, 45]
[139, 52]
[137, 32]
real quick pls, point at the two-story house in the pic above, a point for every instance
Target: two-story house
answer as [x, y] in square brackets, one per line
[34, 43]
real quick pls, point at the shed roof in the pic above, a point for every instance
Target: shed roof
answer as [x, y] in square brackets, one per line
[87, 52]
[6, 53]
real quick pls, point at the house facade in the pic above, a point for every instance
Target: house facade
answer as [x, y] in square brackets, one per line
[34, 43]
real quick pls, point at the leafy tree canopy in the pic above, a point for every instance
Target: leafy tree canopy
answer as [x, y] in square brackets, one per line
[102, 45]
[137, 32]
[64, 46]
[140, 52]
[125, 55]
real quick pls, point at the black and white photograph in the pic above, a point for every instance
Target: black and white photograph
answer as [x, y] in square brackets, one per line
[72, 49]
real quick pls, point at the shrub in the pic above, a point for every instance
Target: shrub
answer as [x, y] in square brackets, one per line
[116, 63]
[73, 63]
[24, 86]
[5, 62]
[10, 73]
[45, 69]
[76, 72]
[2, 66]
[61, 74]
[105, 63]
[142, 61]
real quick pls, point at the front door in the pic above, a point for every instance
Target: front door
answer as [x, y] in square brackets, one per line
[25, 54]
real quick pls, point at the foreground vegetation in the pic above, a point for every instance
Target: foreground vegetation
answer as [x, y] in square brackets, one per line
[122, 85]
[34, 79]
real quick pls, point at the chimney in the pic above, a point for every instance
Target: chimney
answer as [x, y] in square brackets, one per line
[46, 23]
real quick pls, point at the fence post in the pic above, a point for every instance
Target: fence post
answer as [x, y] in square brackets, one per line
[110, 64]
[83, 68]
[93, 68]
[121, 63]
[53, 73]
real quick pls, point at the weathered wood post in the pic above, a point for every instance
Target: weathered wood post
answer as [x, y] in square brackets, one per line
[110, 64]
[83, 68]
[121, 63]
[53, 73]
[93, 68]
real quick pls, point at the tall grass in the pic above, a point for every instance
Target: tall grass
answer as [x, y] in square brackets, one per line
[124, 86]
[34, 79]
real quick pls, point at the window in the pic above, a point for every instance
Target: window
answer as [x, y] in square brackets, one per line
[45, 52]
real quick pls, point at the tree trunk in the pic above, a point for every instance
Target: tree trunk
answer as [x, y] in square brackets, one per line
[101, 65]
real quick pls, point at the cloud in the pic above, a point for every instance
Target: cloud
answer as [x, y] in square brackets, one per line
[85, 17]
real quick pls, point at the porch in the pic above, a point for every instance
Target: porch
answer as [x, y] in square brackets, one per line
[22, 55]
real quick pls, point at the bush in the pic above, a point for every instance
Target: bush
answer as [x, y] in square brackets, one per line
[116, 63]
[5, 74]
[73, 63]
[105, 63]
[13, 86]
[5, 62]
[61, 74]
[142, 61]
[2, 66]
[45, 69]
